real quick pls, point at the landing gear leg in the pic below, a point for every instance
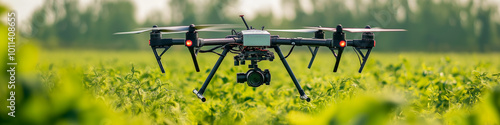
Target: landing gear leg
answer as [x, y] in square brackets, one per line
[212, 73]
[303, 96]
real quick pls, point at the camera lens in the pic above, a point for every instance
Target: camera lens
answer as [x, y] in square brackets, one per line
[255, 78]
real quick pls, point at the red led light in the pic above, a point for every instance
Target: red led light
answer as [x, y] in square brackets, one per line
[342, 43]
[189, 43]
[149, 42]
[374, 42]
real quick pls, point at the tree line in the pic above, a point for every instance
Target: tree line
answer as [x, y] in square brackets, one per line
[436, 26]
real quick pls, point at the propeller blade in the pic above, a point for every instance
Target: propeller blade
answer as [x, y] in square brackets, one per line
[172, 28]
[203, 30]
[168, 29]
[322, 28]
[198, 27]
[294, 30]
[214, 30]
[173, 32]
[180, 29]
[217, 26]
[357, 30]
[132, 32]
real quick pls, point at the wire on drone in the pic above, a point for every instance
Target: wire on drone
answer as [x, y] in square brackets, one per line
[359, 59]
[212, 50]
[290, 52]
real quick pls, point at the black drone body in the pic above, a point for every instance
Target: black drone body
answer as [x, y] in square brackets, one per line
[252, 45]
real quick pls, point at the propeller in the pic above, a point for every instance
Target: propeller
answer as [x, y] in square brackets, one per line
[181, 29]
[294, 30]
[352, 30]
[357, 30]
[132, 32]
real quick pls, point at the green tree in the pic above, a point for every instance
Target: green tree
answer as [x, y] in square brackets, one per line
[60, 23]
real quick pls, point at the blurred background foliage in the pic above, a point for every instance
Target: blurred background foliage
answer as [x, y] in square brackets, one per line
[433, 25]
[125, 87]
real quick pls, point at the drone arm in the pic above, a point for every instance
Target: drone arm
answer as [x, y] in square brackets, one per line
[302, 41]
[350, 42]
[274, 41]
[330, 43]
[363, 44]
[177, 41]
[165, 42]
[218, 41]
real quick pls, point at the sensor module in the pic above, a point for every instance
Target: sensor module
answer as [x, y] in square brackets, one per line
[256, 38]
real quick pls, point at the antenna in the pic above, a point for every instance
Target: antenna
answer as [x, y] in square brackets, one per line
[244, 21]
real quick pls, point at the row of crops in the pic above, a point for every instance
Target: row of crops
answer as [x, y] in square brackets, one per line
[126, 87]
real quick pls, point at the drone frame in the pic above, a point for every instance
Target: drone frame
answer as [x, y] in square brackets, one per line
[336, 45]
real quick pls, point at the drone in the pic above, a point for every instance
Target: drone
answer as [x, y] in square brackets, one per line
[252, 45]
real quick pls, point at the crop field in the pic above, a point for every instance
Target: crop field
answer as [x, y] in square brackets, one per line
[127, 87]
